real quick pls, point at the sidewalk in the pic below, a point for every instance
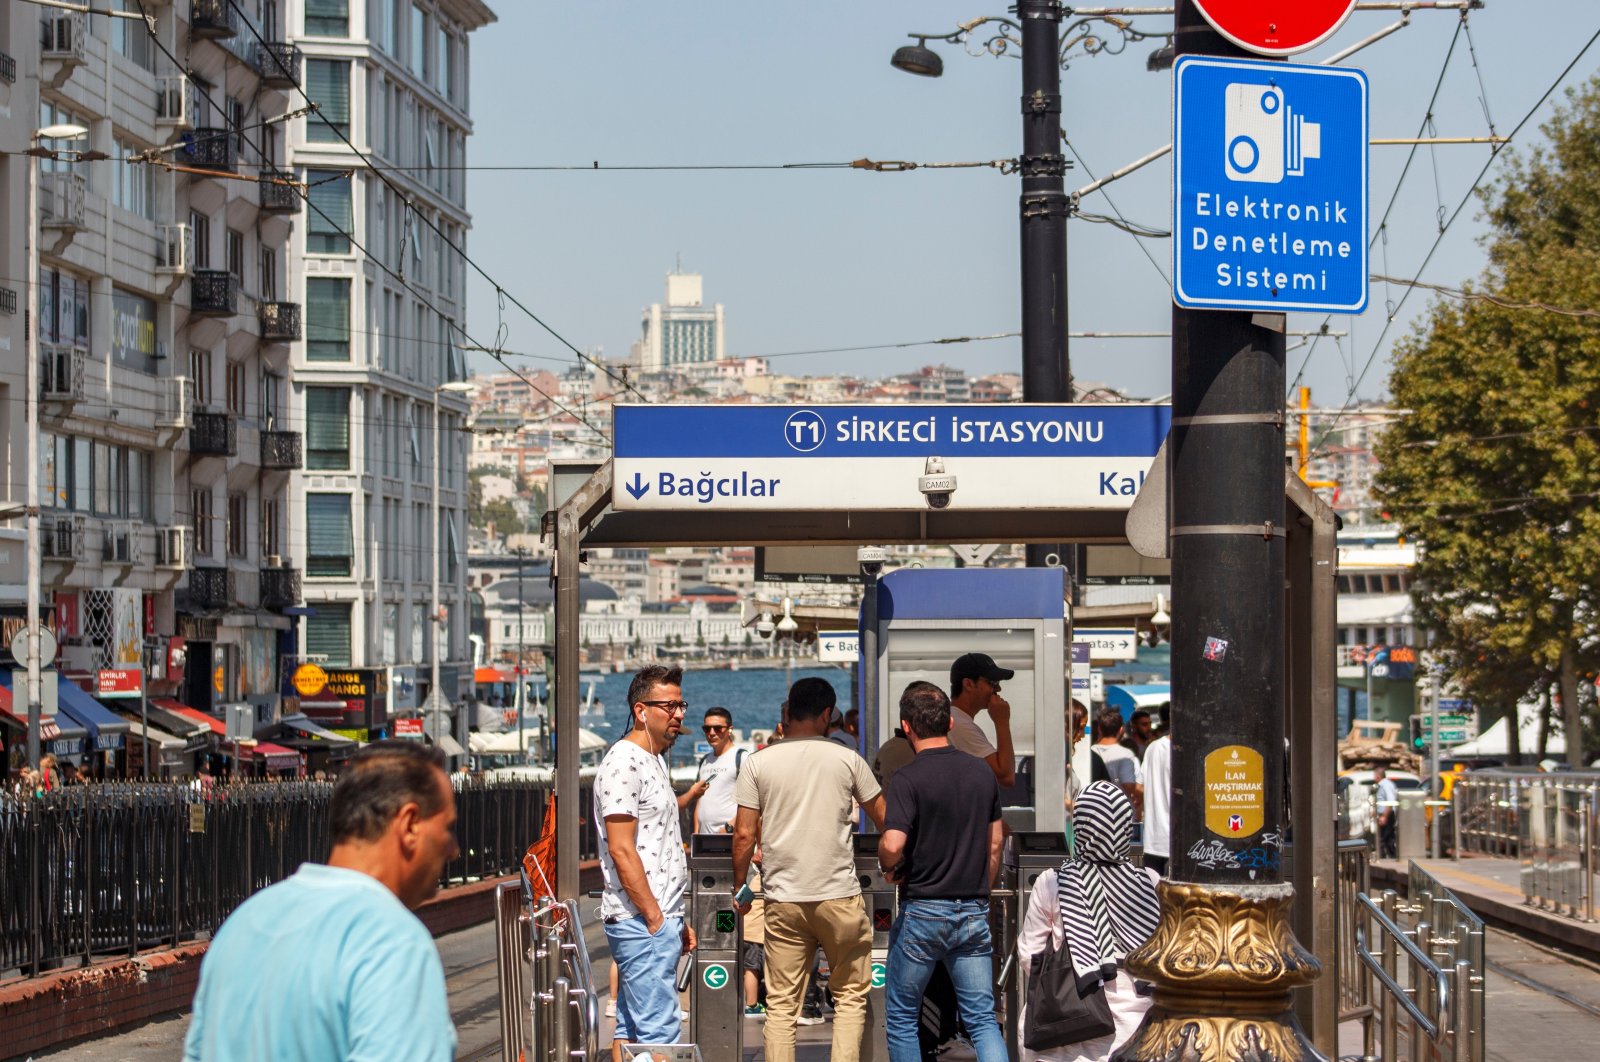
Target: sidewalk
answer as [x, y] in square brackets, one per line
[1492, 889]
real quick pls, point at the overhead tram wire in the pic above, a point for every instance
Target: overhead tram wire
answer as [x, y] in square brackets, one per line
[1432, 250]
[399, 278]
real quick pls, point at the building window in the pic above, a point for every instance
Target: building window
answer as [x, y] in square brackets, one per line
[234, 381]
[330, 547]
[328, 633]
[129, 37]
[327, 319]
[327, 18]
[327, 427]
[131, 186]
[238, 537]
[200, 226]
[269, 274]
[233, 245]
[63, 308]
[328, 83]
[200, 376]
[441, 60]
[271, 530]
[200, 513]
[419, 42]
[331, 218]
[233, 112]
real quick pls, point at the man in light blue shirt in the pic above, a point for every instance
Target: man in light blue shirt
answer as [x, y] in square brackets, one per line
[331, 963]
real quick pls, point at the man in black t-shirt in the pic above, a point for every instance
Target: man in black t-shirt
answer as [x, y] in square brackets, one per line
[941, 845]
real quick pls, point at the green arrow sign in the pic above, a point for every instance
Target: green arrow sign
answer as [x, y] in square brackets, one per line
[715, 976]
[880, 974]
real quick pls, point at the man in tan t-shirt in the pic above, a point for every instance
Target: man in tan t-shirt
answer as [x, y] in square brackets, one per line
[798, 799]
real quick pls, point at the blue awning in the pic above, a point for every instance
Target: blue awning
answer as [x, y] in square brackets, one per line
[62, 735]
[107, 730]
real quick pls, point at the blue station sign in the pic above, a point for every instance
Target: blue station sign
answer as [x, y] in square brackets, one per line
[1269, 186]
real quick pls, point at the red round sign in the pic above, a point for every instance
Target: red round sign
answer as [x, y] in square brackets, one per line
[1276, 27]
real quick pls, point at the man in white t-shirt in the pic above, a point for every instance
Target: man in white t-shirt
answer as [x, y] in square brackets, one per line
[714, 812]
[1156, 776]
[642, 862]
[975, 688]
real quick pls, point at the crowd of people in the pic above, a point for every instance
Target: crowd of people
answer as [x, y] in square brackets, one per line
[934, 791]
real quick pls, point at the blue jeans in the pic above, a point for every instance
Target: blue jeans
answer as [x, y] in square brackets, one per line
[956, 933]
[647, 967]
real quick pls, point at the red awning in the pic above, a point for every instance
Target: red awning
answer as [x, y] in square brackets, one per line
[48, 730]
[184, 710]
[487, 675]
[276, 756]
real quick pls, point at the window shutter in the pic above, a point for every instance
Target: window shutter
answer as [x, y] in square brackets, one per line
[327, 319]
[328, 633]
[328, 427]
[330, 543]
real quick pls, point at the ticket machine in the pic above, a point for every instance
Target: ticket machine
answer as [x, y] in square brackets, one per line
[926, 618]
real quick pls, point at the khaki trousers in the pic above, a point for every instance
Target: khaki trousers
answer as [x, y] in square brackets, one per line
[794, 932]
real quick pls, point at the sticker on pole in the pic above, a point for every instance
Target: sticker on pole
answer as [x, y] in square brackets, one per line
[1269, 186]
[715, 976]
[1236, 792]
[1276, 27]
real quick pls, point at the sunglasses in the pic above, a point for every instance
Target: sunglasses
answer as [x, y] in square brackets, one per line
[713, 729]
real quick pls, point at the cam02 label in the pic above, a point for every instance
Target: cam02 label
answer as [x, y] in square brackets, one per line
[1236, 793]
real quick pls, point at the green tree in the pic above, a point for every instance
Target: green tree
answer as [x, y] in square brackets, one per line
[1496, 473]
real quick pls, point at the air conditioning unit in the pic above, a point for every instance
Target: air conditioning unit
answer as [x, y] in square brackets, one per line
[62, 37]
[122, 542]
[62, 536]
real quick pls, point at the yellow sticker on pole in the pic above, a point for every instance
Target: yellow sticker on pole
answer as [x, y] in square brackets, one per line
[1236, 792]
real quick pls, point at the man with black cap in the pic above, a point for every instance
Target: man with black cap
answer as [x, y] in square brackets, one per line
[975, 688]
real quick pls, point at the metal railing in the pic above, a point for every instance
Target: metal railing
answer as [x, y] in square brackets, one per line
[554, 1014]
[1557, 837]
[1351, 880]
[1417, 998]
[110, 869]
[8, 301]
[1485, 816]
[1455, 938]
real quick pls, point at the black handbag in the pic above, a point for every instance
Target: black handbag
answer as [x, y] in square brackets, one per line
[1058, 1014]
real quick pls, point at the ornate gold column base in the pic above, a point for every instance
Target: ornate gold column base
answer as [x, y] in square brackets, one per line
[1224, 962]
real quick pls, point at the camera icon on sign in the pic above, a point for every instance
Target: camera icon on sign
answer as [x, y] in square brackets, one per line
[1264, 139]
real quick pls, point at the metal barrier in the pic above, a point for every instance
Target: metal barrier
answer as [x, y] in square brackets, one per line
[1551, 822]
[549, 1008]
[1428, 1003]
[716, 989]
[1455, 938]
[110, 869]
[1485, 816]
[1351, 881]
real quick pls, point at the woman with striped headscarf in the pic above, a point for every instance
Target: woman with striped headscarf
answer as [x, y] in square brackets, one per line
[1103, 907]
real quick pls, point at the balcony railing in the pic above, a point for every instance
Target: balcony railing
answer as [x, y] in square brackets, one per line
[172, 547]
[61, 367]
[62, 536]
[178, 102]
[280, 322]
[213, 293]
[212, 19]
[280, 587]
[213, 435]
[209, 148]
[281, 450]
[8, 301]
[124, 543]
[62, 35]
[8, 69]
[211, 589]
[61, 199]
[279, 193]
[278, 63]
[174, 244]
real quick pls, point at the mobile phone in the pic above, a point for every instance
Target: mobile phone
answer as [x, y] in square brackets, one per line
[744, 895]
[685, 969]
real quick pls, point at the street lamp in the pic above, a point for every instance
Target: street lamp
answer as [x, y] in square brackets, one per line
[435, 701]
[35, 692]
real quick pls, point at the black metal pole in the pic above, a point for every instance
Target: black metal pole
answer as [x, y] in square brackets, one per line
[1043, 209]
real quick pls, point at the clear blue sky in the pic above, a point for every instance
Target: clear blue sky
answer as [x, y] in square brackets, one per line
[815, 259]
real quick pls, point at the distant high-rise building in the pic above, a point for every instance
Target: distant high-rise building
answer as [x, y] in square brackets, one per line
[684, 331]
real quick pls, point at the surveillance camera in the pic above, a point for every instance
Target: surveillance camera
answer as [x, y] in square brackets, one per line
[935, 484]
[871, 559]
[764, 625]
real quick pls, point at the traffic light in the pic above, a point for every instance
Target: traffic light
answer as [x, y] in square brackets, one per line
[1417, 736]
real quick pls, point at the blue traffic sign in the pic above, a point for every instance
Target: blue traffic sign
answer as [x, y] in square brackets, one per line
[1269, 186]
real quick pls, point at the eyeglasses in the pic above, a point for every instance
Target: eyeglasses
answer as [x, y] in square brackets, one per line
[713, 729]
[670, 707]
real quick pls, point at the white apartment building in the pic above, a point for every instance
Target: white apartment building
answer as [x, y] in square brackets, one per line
[392, 77]
[164, 343]
[683, 331]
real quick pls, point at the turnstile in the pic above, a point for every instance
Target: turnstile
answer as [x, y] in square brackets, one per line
[1025, 857]
[880, 898]
[716, 988]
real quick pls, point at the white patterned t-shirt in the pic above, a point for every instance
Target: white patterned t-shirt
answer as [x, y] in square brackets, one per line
[634, 783]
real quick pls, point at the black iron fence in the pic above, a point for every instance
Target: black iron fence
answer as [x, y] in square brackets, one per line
[91, 872]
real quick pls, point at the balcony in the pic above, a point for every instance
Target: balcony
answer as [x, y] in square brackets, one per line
[278, 63]
[61, 368]
[281, 450]
[209, 148]
[172, 547]
[213, 293]
[173, 411]
[280, 322]
[61, 197]
[279, 192]
[178, 101]
[61, 536]
[211, 589]
[212, 19]
[213, 435]
[174, 250]
[280, 587]
[8, 301]
[123, 542]
[62, 35]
